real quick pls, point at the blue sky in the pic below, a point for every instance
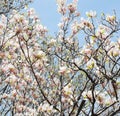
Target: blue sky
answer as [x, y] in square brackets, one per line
[47, 10]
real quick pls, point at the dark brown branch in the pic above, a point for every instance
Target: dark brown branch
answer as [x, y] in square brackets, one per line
[80, 107]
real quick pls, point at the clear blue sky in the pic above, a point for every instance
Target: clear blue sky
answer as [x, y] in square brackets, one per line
[47, 10]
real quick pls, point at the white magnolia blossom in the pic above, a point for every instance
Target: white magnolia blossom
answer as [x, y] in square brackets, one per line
[91, 64]
[86, 23]
[45, 108]
[87, 94]
[39, 54]
[31, 12]
[68, 89]
[64, 70]
[12, 79]
[110, 18]
[52, 42]
[76, 26]
[72, 7]
[115, 51]
[61, 2]
[91, 13]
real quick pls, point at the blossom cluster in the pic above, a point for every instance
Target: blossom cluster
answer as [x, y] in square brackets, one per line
[46, 75]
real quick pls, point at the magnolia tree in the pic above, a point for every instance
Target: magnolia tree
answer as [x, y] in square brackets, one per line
[6, 6]
[43, 75]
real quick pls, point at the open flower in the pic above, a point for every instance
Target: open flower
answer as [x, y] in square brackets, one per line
[114, 51]
[91, 14]
[91, 64]
[64, 70]
[61, 2]
[68, 89]
[100, 98]
[61, 6]
[87, 95]
[39, 54]
[46, 108]
[31, 12]
[86, 23]
[11, 79]
[52, 42]
[110, 18]
[76, 27]
[72, 8]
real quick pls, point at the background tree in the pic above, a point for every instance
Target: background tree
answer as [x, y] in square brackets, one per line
[59, 76]
[6, 6]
